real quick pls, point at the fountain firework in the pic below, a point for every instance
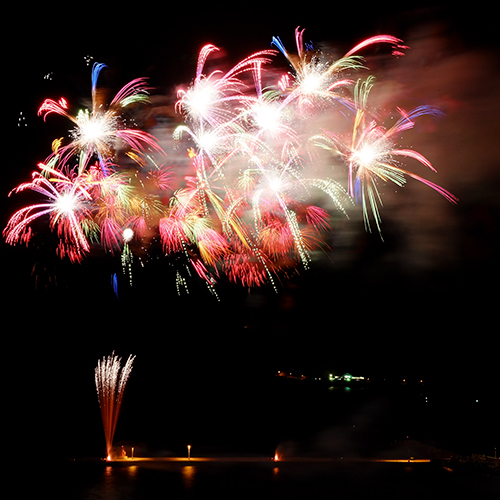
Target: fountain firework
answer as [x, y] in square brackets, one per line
[110, 381]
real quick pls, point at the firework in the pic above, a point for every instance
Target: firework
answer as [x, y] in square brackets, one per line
[66, 205]
[86, 198]
[98, 131]
[370, 154]
[110, 381]
[261, 145]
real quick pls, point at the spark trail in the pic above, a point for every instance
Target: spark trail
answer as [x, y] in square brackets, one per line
[110, 381]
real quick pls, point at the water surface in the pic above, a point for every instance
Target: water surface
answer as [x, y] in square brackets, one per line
[266, 480]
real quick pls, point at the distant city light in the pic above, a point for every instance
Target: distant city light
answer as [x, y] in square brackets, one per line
[347, 377]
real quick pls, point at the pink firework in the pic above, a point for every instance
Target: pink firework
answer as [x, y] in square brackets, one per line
[98, 131]
[66, 206]
[209, 100]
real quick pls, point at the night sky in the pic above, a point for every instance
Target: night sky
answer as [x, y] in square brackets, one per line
[421, 304]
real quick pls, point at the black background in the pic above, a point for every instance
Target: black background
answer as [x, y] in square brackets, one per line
[201, 361]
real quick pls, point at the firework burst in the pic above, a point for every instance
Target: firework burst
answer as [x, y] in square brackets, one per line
[87, 196]
[98, 131]
[264, 151]
[371, 154]
[66, 205]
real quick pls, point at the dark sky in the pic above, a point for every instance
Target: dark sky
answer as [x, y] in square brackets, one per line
[421, 304]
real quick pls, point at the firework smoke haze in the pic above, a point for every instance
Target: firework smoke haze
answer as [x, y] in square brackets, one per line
[110, 381]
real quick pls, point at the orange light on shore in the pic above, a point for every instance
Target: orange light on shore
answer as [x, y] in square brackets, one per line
[276, 457]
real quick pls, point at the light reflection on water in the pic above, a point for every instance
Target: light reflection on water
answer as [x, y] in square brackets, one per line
[116, 484]
[188, 476]
[264, 481]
